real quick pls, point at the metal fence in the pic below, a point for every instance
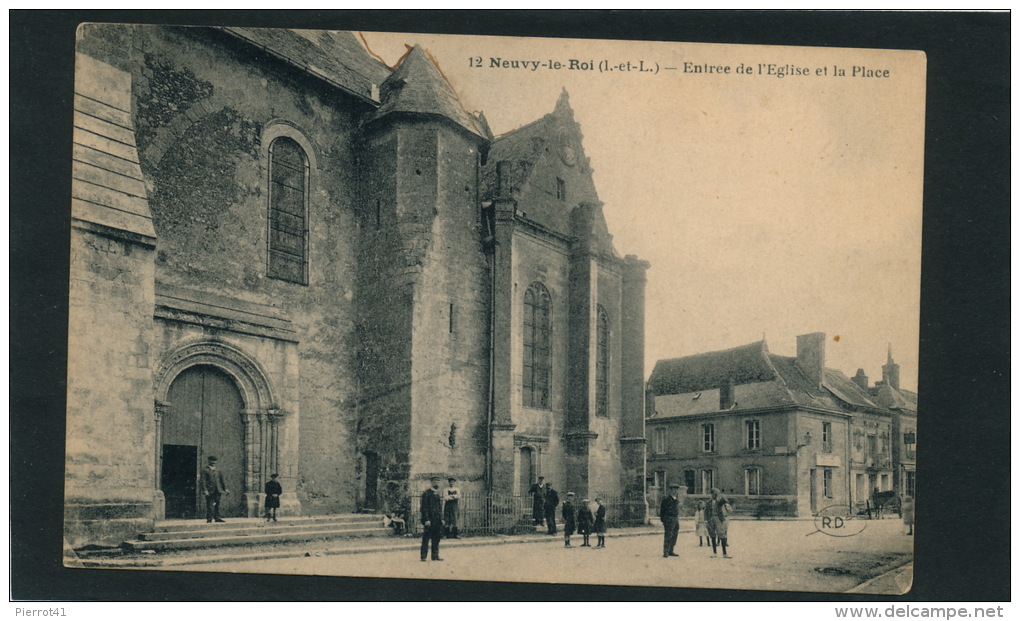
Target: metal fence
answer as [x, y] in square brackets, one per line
[488, 514]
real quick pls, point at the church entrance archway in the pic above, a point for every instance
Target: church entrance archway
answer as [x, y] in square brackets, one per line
[204, 419]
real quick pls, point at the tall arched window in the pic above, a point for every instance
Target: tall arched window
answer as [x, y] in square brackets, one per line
[602, 363]
[536, 346]
[288, 208]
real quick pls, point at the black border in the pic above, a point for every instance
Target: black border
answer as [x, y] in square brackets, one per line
[963, 527]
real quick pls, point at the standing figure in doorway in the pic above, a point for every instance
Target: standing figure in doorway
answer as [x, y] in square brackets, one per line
[213, 488]
[568, 519]
[431, 520]
[552, 500]
[584, 520]
[669, 515]
[451, 510]
[273, 491]
[537, 491]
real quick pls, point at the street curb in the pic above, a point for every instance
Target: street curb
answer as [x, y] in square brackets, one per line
[131, 563]
[893, 577]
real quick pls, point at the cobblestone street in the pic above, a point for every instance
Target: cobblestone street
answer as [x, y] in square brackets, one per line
[779, 555]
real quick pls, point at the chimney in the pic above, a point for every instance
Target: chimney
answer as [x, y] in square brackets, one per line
[811, 356]
[891, 371]
[861, 379]
[726, 395]
[503, 168]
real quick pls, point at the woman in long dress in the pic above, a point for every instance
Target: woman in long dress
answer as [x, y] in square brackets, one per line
[700, 527]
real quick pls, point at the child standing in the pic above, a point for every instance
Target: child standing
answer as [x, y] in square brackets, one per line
[700, 526]
[273, 491]
[568, 519]
[600, 523]
[584, 520]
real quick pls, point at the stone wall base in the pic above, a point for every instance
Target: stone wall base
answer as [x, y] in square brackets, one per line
[106, 524]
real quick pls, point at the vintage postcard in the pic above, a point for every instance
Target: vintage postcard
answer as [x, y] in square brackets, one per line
[494, 308]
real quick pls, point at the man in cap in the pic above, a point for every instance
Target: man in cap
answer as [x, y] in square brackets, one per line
[431, 519]
[669, 515]
[213, 487]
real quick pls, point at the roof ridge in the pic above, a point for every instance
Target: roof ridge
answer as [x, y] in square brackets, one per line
[714, 351]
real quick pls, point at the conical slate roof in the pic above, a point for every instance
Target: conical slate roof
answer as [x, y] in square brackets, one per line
[417, 86]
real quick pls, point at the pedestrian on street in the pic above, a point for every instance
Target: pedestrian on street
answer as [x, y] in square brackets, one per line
[552, 500]
[584, 520]
[669, 515]
[213, 488]
[568, 519]
[908, 514]
[716, 510]
[273, 491]
[431, 520]
[537, 491]
[700, 527]
[600, 523]
[451, 509]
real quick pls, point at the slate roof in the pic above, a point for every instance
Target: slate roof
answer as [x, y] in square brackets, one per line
[107, 186]
[744, 365]
[887, 396]
[417, 86]
[334, 56]
[761, 379]
[521, 147]
[524, 146]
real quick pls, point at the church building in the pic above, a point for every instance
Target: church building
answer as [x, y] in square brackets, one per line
[292, 257]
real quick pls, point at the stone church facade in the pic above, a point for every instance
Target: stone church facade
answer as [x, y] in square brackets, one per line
[292, 257]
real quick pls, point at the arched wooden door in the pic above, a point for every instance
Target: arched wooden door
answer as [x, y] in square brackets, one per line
[203, 420]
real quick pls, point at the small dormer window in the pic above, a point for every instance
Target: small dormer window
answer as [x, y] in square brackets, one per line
[561, 189]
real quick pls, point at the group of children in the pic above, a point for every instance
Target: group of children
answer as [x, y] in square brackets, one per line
[712, 528]
[583, 521]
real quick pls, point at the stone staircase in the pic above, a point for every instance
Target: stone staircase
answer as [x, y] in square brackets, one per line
[175, 535]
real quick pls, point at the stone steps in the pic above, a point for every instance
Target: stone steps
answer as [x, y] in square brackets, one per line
[283, 522]
[175, 535]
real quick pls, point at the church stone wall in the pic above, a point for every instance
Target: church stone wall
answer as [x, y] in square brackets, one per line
[537, 258]
[450, 401]
[202, 109]
[109, 482]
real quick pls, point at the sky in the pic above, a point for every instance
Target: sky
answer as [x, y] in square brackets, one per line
[767, 205]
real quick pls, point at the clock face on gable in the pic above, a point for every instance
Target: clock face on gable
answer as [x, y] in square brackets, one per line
[568, 150]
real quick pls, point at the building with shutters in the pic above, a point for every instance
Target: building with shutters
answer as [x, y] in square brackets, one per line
[297, 259]
[779, 435]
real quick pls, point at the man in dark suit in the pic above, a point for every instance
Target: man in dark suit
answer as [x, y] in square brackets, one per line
[213, 487]
[552, 500]
[431, 520]
[669, 515]
[537, 491]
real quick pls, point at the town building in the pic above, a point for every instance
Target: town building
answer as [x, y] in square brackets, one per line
[778, 435]
[287, 255]
[902, 404]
